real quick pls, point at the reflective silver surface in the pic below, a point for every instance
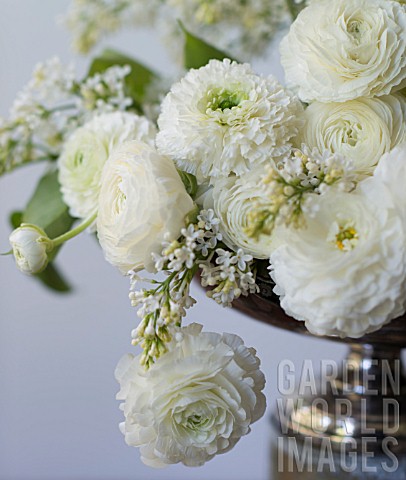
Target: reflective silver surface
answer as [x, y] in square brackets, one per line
[364, 402]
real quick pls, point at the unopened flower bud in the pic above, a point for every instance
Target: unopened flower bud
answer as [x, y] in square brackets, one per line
[30, 246]
[150, 331]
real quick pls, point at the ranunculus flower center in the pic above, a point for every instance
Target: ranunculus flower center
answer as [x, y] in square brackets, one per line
[120, 197]
[343, 235]
[78, 159]
[196, 419]
[347, 238]
[357, 29]
[224, 99]
[351, 133]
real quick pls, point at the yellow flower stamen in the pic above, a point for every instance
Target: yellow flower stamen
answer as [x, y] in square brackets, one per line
[346, 238]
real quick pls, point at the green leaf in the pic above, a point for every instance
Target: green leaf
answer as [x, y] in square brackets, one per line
[138, 79]
[53, 279]
[197, 52]
[47, 209]
[16, 218]
[295, 8]
[189, 181]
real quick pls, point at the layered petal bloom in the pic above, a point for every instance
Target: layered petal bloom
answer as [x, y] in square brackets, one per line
[196, 401]
[391, 172]
[362, 130]
[344, 274]
[142, 198]
[223, 119]
[341, 50]
[86, 152]
[233, 199]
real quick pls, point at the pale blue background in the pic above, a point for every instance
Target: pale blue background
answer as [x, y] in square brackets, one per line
[58, 413]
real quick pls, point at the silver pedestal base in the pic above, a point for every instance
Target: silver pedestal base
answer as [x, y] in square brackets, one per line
[365, 406]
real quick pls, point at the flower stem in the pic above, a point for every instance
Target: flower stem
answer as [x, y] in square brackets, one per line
[74, 232]
[60, 108]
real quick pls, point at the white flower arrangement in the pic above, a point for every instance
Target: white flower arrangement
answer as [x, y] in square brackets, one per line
[236, 173]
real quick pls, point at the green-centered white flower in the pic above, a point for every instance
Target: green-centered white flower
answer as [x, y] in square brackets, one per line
[362, 130]
[30, 246]
[344, 49]
[195, 402]
[86, 151]
[224, 119]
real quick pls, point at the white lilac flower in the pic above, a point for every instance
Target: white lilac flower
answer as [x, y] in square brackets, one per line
[208, 220]
[142, 199]
[36, 125]
[232, 274]
[182, 256]
[30, 248]
[92, 20]
[341, 50]
[164, 304]
[51, 82]
[318, 170]
[105, 92]
[242, 259]
[281, 197]
[362, 130]
[223, 118]
[87, 150]
[51, 106]
[344, 273]
[195, 402]
[224, 257]
[239, 26]
[233, 200]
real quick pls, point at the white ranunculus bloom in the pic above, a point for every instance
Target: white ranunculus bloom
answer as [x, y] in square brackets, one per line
[142, 198]
[362, 129]
[86, 152]
[223, 118]
[391, 171]
[30, 246]
[344, 274]
[196, 401]
[344, 49]
[232, 200]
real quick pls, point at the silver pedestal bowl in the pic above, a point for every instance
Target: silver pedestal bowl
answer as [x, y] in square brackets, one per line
[372, 407]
